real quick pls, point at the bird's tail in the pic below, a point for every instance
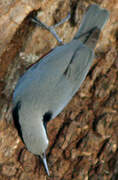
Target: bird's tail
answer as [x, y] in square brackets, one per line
[92, 23]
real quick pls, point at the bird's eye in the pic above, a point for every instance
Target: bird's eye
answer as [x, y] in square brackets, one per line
[46, 118]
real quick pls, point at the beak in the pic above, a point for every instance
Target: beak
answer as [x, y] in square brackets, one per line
[43, 157]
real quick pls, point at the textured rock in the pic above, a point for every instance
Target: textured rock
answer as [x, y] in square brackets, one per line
[83, 138]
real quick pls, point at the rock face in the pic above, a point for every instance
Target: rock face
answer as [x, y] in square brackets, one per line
[83, 138]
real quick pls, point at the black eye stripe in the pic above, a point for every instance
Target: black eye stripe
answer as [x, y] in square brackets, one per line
[46, 118]
[15, 114]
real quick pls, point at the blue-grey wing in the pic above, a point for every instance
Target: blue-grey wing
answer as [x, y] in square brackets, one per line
[79, 65]
[71, 79]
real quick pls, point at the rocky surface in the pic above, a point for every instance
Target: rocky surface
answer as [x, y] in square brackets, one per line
[84, 137]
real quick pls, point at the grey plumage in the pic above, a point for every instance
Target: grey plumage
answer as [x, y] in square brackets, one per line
[94, 17]
[48, 86]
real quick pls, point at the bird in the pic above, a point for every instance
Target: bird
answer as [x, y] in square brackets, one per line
[46, 87]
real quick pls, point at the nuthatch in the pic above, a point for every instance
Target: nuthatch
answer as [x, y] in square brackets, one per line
[47, 87]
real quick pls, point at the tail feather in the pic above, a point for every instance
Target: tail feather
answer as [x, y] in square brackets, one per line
[94, 18]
